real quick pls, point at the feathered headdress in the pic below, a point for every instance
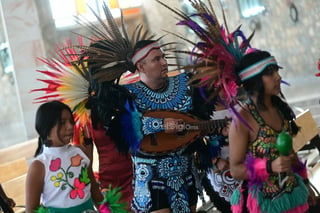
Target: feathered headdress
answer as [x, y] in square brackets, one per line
[215, 55]
[112, 53]
[110, 57]
[67, 80]
[96, 69]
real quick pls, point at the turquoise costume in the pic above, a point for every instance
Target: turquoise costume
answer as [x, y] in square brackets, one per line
[170, 175]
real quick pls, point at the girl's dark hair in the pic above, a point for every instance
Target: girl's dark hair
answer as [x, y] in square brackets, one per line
[255, 84]
[47, 116]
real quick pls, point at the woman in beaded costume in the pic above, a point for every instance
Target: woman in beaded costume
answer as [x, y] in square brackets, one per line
[271, 182]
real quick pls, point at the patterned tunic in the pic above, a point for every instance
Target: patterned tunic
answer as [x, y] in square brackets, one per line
[171, 173]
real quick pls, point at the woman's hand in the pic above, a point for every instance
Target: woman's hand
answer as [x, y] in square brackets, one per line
[282, 164]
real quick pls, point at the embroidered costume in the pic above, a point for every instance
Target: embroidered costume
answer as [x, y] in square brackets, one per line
[66, 179]
[167, 178]
[271, 195]
[219, 185]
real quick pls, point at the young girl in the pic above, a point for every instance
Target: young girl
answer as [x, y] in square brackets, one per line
[60, 178]
[271, 182]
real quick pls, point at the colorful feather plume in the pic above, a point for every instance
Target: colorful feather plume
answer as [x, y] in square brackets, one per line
[217, 51]
[67, 80]
[74, 77]
[109, 58]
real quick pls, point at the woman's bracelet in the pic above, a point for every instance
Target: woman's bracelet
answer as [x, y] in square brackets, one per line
[269, 166]
[306, 181]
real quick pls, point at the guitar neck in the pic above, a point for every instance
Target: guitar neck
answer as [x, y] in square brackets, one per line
[206, 126]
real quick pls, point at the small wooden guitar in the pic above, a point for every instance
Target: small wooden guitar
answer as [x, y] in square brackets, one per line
[161, 142]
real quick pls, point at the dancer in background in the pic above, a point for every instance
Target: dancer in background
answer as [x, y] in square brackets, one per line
[221, 184]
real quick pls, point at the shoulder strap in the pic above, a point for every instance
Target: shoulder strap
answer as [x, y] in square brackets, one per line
[254, 112]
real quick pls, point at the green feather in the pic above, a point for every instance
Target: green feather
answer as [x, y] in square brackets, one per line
[112, 199]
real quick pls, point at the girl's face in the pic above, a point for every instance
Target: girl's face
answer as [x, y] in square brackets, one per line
[62, 132]
[271, 81]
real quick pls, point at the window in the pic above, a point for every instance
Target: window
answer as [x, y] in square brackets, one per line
[64, 11]
[249, 8]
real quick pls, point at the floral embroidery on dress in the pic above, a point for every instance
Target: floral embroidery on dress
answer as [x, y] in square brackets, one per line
[63, 177]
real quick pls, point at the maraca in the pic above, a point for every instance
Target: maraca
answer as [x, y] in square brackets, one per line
[284, 143]
[284, 146]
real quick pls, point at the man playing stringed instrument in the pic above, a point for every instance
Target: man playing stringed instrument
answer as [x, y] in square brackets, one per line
[162, 182]
[165, 178]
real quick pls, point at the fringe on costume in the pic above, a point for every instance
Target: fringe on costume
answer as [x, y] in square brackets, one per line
[237, 200]
[292, 202]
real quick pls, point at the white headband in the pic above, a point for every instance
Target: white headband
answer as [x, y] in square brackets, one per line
[143, 52]
[256, 68]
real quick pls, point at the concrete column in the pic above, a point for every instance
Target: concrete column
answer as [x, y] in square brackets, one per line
[25, 41]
